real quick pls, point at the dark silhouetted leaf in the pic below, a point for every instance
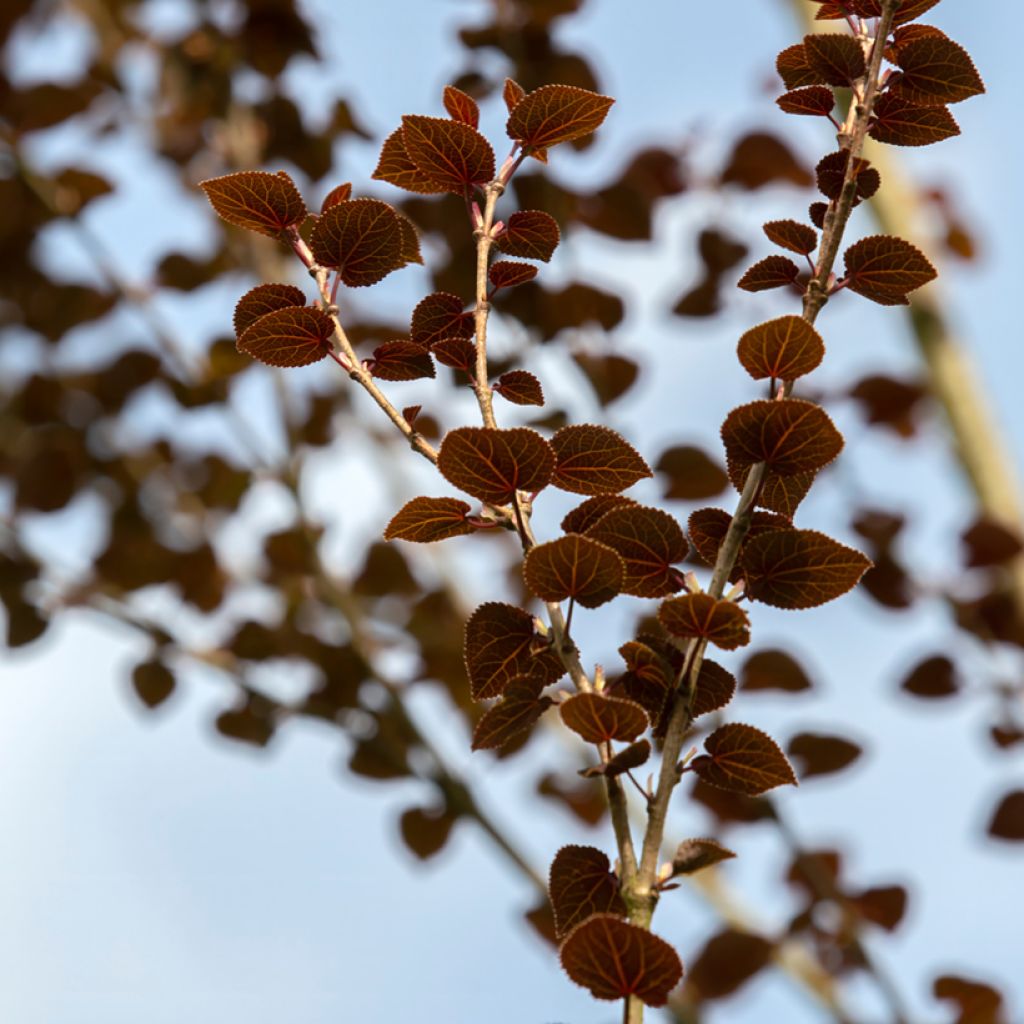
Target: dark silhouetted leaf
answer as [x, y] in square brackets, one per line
[800, 568]
[932, 677]
[625, 760]
[692, 473]
[987, 542]
[1008, 820]
[817, 754]
[694, 855]
[790, 436]
[715, 688]
[884, 269]
[743, 759]
[611, 375]
[448, 153]
[362, 238]
[426, 830]
[256, 200]
[615, 959]
[759, 159]
[727, 961]
[581, 883]
[530, 234]
[722, 623]
[595, 460]
[598, 718]
[521, 705]
[493, 464]
[429, 519]
[520, 388]
[574, 566]
[295, 336]
[461, 107]
[883, 905]
[650, 542]
[978, 1003]
[556, 113]
[831, 172]
[263, 299]
[771, 272]
[153, 682]
[458, 353]
[782, 349]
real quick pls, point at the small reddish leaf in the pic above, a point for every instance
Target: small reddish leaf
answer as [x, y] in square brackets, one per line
[520, 388]
[800, 568]
[900, 123]
[814, 101]
[294, 336]
[909, 10]
[715, 688]
[789, 436]
[574, 566]
[493, 464]
[424, 520]
[817, 212]
[794, 70]
[884, 268]
[743, 759]
[615, 959]
[707, 528]
[936, 71]
[499, 647]
[590, 512]
[771, 272]
[556, 113]
[773, 670]
[781, 349]
[932, 677]
[722, 623]
[728, 960]
[397, 168]
[461, 107]
[816, 754]
[362, 238]
[410, 248]
[508, 273]
[792, 235]
[426, 831]
[595, 460]
[520, 707]
[449, 153]
[598, 718]
[338, 194]
[439, 316]
[458, 353]
[837, 59]
[256, 200]
[512, 93]
[831, 172]
[401, 360]
[625, 760]
[581, 883]
[694, 855]
[650, 542]
[1008, 820]
[531, 235]
[263, 299]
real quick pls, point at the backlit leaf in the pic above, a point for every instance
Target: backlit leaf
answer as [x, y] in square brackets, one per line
[410, 248]
[500, 645]
[461, 107]
[650, 542]
[508, 273]
[794, 69]
[512, 93]
[694, 855]
[397, 168]
[595, 460]
[707, 528]
[581, 883]
[263, 299]
[294, 336]
[556, 113]
[256, 200]
[784, 349]
[837, 59]
[530, 234]
[817, 754]
[884, 268]
[520, 388]
[588, 514]
[830, 173]
[493, 464]
[400, 360]
[615, 959]
[598, 718]
[782, 494]
[362, 238]
[814, 101]
[429, 519]
[339, 194]
[723, 623]
[800, 568]
[900, 123]
[574, 566]
[743, 759]
[715, 688]
[458, 353]
[936, 71]
[520, 707]
[449, 153]
[771, 272]
[789, 436]
[440, 316]
[792, 235]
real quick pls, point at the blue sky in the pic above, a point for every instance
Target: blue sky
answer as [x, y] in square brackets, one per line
[150, 870]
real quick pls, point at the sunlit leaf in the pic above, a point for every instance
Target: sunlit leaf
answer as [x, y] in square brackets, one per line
[429, 519]
[936, 71]
[362, 238]
[707, 528]
[814, 101]
[723, 623]
[461, 107]
[884, 268]
[449, 153]
[530, 234]
[438, 316]
[397, 168]
[595, 460]
[458, 353]
[339, 194]
[520, 707]
[581, 883]
[256, 200]
[837, 59]
[694, 855]
[650, 542]
[512, 93]
[714, 689]
[771, 272]
[508, 273]
[400, 360]
[591, 511]
[556, 113]
[794, 70]
[520, 388]
[792, 235]
[574, 566]
[493, 464]
[783, 349]
[743, 759]
[294, 336]
[900, 123]
[598, 718]
[263, 299]
[790, 436]
[830, 173]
